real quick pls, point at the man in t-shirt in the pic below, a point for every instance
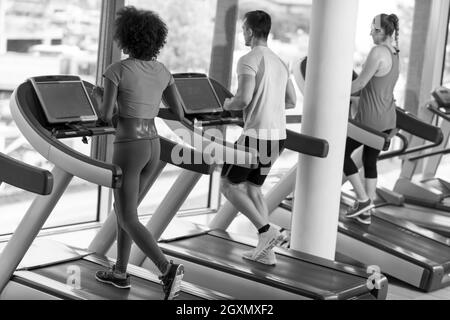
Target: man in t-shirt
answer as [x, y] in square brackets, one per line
[264, 92]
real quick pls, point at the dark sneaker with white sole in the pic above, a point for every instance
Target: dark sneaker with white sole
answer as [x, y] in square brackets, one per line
[365, 217]
[110, 277]
[172, 281]
[360, 208]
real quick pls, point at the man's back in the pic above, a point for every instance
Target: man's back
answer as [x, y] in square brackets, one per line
[265, 116]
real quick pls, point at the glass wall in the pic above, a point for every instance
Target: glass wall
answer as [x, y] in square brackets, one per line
[446, 71]
[188, 49]
[41, 37]
[404, 9]
[289, 39]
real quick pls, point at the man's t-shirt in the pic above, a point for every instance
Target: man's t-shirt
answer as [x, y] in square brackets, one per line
[265, 116]
[141, 85]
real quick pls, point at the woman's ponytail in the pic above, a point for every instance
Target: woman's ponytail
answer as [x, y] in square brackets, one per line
[396, 24]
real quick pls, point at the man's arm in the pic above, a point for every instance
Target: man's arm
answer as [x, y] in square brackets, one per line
[370, 69]
[291, 97]
[244, 94]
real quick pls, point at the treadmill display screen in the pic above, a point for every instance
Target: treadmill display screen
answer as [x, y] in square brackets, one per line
[65, 101]
[198, 95]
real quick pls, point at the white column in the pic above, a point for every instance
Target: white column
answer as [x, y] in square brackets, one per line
[326, 106]
[2, 26]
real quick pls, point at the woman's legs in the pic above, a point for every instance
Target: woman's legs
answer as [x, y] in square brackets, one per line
[124, 241]
[370, 158]
[136, 160]
[351, 170]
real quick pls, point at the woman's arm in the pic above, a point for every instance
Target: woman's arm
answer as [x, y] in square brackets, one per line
[109, 101]
[171, 97]
[369, 70]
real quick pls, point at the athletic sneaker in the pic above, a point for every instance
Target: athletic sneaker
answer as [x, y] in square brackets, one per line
[365, 218]
[110, 278]
[285, 243]
[266, 241]
[360, 208]
[172, 281]
[269, 259]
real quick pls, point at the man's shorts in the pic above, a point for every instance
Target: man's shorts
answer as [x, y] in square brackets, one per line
[268, 152]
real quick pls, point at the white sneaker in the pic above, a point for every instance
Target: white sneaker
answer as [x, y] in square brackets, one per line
[285, 243]
[270, 259]
[266, 241]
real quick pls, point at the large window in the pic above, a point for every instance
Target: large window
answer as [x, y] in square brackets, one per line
[404, 9]
[39, 38]
[188, 49]
[289, 39]
[446, 71]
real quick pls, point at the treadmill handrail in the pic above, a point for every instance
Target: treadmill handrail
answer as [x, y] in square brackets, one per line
[410, 124]
[296, 142]
[368, 136]
[167, 147]
[431, 154]
[24, 176]
[413, 125]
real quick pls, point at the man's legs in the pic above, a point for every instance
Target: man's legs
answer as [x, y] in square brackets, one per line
[255, 193]
[267, 236]
[257, 197]
[238, 195]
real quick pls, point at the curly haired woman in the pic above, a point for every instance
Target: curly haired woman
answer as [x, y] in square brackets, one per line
[137, 85]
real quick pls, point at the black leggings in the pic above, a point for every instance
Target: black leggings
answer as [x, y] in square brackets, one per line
[370, 158]
[137, 159]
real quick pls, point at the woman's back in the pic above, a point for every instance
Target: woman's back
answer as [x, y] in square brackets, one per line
[140, 86]
[377, 103]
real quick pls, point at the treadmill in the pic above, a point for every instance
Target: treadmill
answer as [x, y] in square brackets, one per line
[45, 269]
[213, 258]
[429, 190]
[402, 249]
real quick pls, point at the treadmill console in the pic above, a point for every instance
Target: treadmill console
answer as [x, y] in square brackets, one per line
[202, 99]
[442, 97]
[66, 107]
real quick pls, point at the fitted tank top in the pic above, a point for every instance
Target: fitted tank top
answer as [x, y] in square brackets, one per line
[377, 108]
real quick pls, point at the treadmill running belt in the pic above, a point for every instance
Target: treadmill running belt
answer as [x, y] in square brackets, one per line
[426, 247]
[290, 274]
[141, 289]
[404, 239]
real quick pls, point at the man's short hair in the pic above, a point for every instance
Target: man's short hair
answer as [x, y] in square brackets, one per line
[260, 23]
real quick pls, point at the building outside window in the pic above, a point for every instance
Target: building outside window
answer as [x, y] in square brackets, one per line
[188, 49]
[289, 39]
[39, 38]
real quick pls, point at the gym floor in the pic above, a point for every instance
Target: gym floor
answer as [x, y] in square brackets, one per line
[397, 289]
[389, 170]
